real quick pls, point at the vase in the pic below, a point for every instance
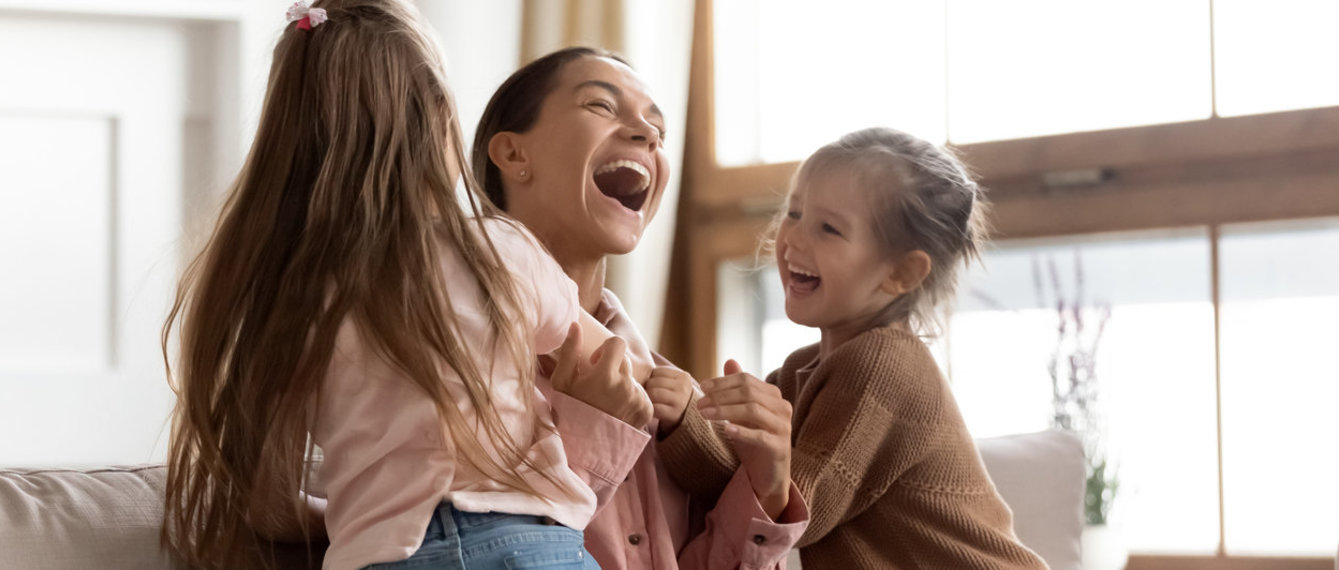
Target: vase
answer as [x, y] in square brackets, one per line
[1104, 548]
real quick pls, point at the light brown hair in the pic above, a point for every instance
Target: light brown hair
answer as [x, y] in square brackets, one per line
[921, 198]
[336, 216]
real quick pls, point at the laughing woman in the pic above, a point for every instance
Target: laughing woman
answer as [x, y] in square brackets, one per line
[572, 145]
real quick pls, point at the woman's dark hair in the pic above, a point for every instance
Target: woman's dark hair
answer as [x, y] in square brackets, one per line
[515, 108]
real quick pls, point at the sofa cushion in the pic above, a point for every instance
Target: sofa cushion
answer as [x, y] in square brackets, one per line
[1040, 476]
[106, 518]
[99, 518]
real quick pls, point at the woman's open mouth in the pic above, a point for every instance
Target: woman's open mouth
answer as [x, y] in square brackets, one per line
[626, 181]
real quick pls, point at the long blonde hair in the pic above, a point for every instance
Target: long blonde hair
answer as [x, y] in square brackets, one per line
[336, 215]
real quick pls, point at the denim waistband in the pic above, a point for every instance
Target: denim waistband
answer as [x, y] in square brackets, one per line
[447, 518]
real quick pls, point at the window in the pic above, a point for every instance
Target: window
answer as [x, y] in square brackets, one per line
[1153, 355]
[1275, 56]
[1228, 155]
[791, 75]
[1280, 291]
[1155, 364]
[1022, 69]
[884, 67]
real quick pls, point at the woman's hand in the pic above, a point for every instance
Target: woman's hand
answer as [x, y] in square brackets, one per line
[758, 420]
[606, 382]
[670, 390]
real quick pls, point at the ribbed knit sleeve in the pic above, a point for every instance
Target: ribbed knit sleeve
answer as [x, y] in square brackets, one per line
[861, 416]
[697, 455]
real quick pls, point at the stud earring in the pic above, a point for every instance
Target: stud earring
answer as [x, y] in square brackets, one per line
[523, 173]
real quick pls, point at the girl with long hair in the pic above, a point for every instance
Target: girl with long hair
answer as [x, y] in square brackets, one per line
[347, 301]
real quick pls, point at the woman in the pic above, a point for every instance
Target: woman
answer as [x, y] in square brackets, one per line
[572, 146]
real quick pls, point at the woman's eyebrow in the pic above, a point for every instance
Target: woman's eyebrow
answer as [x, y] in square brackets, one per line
[616, 92]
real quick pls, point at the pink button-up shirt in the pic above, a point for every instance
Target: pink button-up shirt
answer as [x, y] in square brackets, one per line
[652, 524]
[387, 465]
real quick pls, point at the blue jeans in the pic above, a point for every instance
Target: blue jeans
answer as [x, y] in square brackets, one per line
[458, 540]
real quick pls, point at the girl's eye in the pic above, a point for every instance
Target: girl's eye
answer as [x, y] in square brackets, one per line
[793, 214]
[827, 228]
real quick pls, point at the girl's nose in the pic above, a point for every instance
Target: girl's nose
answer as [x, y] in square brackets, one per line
[794, 239]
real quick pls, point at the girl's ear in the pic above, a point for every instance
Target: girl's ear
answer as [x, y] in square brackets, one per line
[908, 273]
[506, 152]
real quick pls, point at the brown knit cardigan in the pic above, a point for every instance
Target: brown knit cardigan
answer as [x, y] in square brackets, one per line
[880, 452]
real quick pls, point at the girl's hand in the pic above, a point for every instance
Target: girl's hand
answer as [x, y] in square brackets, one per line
[758, 420]
[670, 390]
[606, 382]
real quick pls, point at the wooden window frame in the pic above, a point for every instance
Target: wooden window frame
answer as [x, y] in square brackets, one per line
[1276, 166]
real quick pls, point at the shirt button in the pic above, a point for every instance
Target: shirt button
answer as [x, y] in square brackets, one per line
[759, 539]
[634, 539]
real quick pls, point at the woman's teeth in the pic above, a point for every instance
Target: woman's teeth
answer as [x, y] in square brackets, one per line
[624, 180]
[643, 176]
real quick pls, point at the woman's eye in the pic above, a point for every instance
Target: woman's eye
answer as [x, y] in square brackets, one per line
[827, 228]
[602, 104]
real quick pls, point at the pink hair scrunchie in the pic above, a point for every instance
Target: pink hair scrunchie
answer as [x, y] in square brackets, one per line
[306, 16]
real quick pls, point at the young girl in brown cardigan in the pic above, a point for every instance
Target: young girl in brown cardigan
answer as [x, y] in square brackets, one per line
[876, 226]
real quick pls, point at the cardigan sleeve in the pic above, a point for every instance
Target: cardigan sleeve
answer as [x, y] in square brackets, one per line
[697, 455]
[867, 421]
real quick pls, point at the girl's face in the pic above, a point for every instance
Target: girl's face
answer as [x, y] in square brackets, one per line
[834, 273]
[596, 161]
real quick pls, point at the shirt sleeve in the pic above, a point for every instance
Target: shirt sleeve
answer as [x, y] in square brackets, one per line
[739, 534]
[601, 449]
[548, 295]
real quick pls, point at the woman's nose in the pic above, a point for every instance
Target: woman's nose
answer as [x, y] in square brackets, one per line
[642, 131]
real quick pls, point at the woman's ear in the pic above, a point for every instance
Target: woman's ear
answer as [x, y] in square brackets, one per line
[908, 273]
[505, 150]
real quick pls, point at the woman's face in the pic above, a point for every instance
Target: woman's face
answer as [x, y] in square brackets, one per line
[595, 159]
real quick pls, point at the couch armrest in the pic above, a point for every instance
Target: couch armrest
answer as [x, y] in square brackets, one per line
[1040, 476]
[106, 518]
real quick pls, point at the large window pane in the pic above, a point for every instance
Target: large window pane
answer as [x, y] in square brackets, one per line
[1280, 288]
[1276, 55]
[1038, 67]
[792, 75]
[1153, 364]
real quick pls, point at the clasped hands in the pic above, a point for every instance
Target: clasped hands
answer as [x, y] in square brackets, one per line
[755, 416]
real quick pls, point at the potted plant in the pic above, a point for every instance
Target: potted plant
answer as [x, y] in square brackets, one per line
[1076, 399]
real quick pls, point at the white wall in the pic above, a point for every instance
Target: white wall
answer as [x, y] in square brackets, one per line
[99, 149]
[482, 42]
[112, 164]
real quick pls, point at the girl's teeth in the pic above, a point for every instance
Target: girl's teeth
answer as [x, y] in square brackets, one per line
[794, 269]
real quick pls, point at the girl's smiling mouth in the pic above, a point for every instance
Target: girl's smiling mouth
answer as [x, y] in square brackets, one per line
[802, 280]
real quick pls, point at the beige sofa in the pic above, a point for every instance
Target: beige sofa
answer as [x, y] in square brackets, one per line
[108, 518]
